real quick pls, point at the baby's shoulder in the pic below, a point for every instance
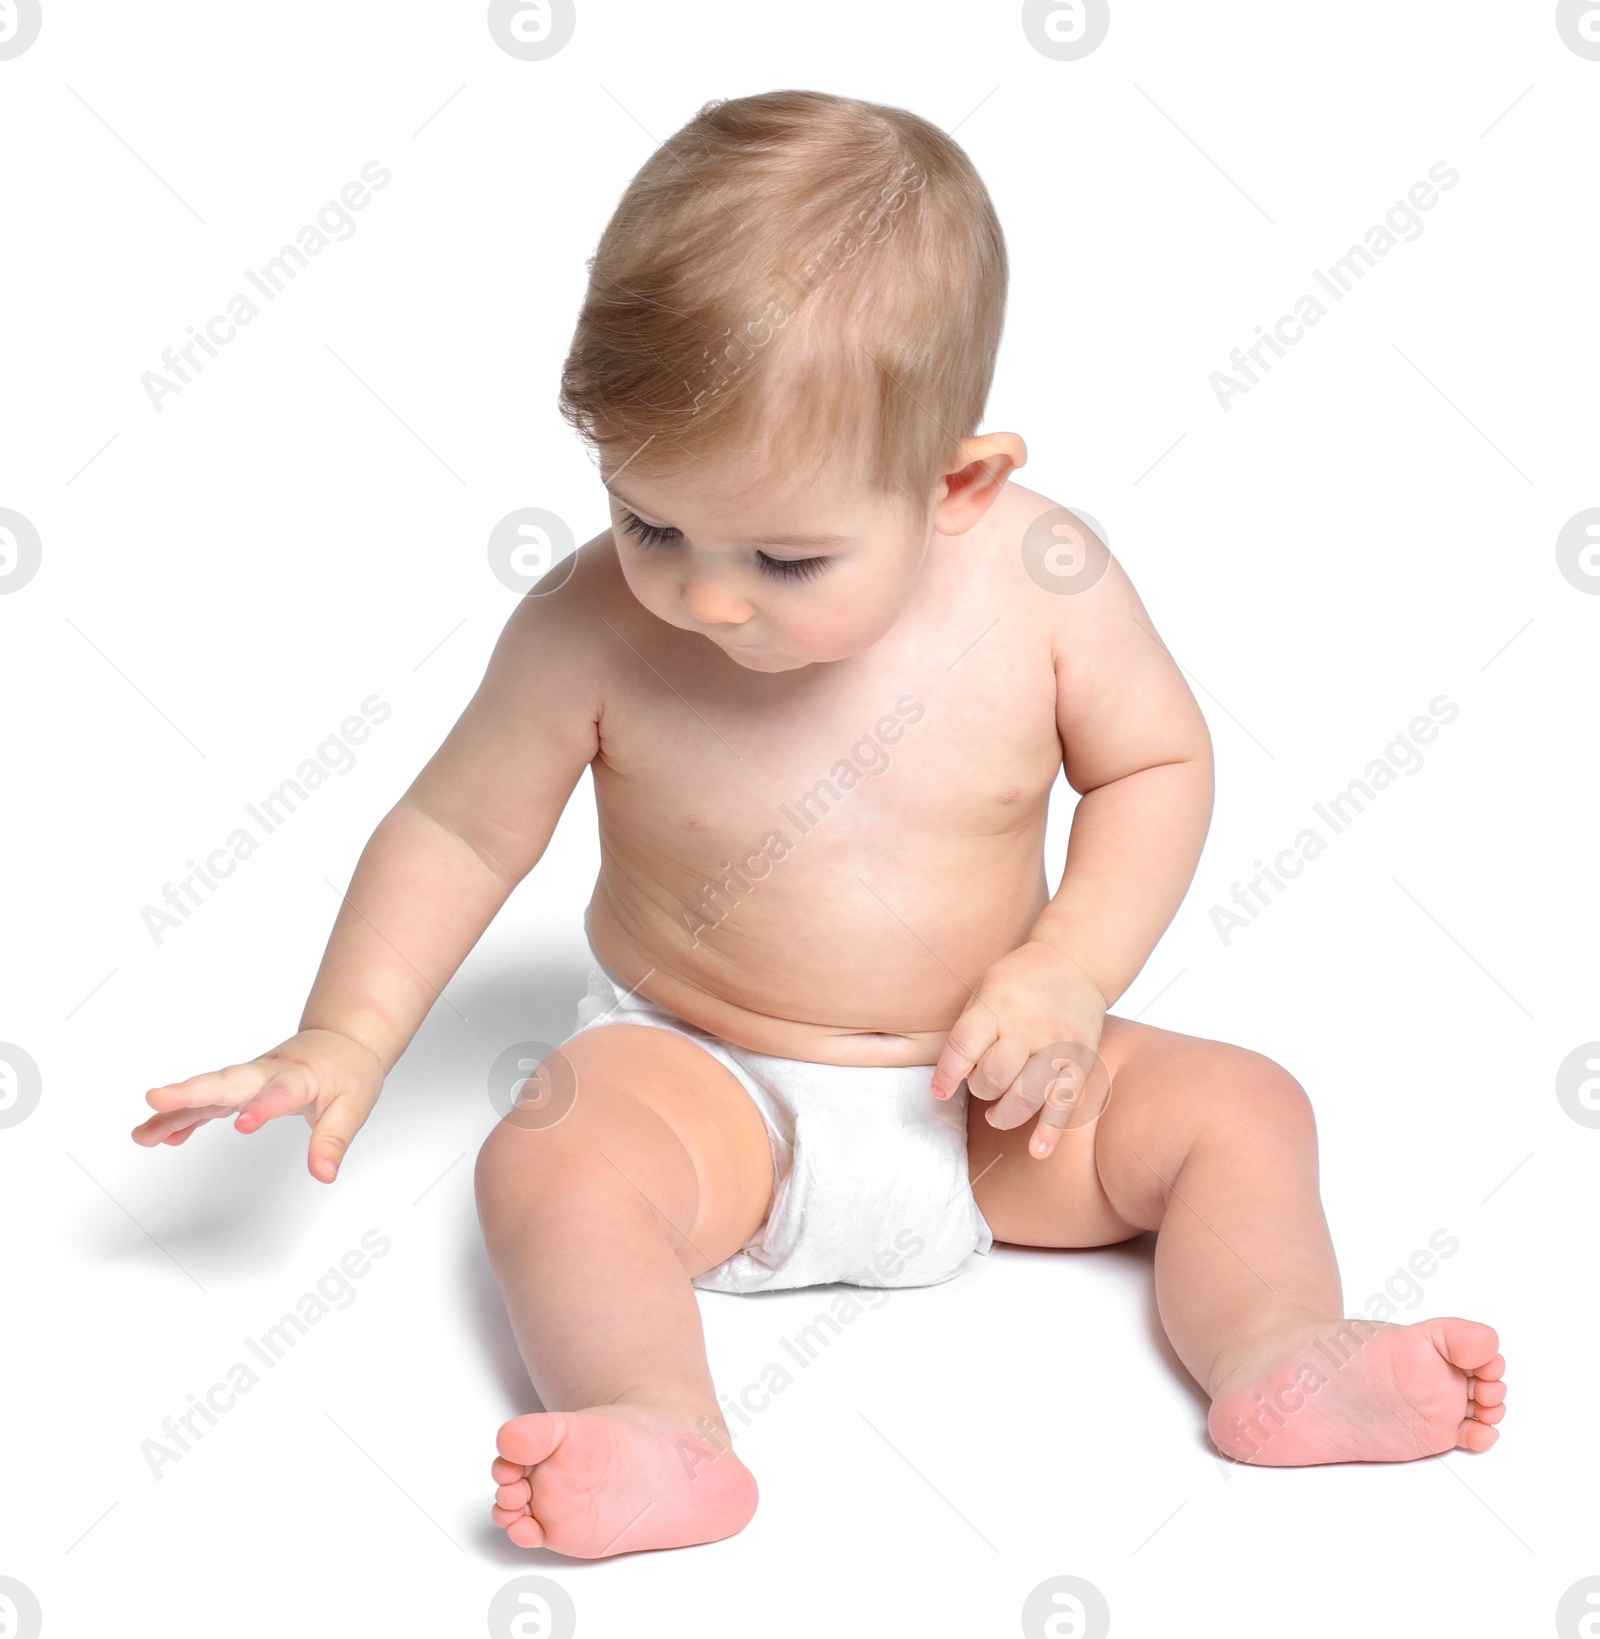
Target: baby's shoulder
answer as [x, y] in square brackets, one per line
[1048, 558]
[571, 602]
[556, 637]
[1056, 577]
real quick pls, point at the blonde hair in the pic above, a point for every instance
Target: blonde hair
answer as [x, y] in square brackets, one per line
[784, 269]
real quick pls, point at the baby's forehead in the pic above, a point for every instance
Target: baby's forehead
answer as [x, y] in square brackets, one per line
[807, 490]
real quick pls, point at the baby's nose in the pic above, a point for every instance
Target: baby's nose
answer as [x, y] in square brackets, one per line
[711, 602]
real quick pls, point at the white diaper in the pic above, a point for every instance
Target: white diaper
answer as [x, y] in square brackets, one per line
[870, 1178]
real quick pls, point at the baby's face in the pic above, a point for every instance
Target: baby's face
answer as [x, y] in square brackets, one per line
[779, 580]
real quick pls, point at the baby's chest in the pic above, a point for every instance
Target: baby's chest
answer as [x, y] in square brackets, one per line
[905, 756]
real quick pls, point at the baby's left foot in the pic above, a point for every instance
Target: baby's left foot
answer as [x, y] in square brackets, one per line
[1354, 1391]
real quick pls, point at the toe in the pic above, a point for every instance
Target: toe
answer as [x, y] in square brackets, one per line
[508, 1516]
[1467, 1344]
[1491, 1371]
[515, 1495]
[525, 1533]
[1475, 1437]
[529, 1440]
[1488, 1414]
[504, 1473]
[1488, 1394]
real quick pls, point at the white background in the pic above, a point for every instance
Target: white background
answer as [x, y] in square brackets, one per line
[1373, 525]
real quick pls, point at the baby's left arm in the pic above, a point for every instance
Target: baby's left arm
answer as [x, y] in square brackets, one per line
[1135, 746]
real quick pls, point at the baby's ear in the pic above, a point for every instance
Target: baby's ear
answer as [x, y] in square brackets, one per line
[972, 488]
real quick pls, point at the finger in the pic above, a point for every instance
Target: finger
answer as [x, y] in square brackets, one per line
[229, 1088]
[972, 1035]
[331, 1137]
[1045, 1081]
[993, 1078]
[180, 1126]
[158, 1128]
[289, 1090]
[1063, 1093]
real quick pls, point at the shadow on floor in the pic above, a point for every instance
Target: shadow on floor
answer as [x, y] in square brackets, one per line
[222, 1203]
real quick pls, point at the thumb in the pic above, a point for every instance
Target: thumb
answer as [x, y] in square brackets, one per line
[331, 1137]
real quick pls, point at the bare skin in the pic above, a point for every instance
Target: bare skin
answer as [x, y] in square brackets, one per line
[822, 806]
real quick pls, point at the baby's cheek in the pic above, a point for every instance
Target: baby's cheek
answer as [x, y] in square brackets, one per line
[863, 617]
[652, 591]
[645, 586]
[836, 635]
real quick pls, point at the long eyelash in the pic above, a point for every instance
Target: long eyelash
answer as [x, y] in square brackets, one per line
[790, 568]
[649, 533]
[777, 568]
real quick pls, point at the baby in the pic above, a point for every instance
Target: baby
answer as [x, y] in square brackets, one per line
[824, 668]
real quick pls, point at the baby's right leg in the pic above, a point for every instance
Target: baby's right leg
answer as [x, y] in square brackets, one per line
[660, 1170]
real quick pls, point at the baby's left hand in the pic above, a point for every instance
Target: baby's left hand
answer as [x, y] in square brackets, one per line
[1030, 999]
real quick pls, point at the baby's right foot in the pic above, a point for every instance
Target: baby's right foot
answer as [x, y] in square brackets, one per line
[613, 1479]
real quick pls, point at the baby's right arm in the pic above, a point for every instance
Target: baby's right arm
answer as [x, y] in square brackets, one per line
[432, 876]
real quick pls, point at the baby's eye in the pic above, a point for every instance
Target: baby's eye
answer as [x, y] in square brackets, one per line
[776, 568]
[649, 533]
[791, 568]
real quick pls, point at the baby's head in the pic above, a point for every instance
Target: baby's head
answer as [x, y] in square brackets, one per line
[784, 352]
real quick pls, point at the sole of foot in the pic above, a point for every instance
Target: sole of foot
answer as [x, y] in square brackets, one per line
[614, 1480]
[1354, 1391]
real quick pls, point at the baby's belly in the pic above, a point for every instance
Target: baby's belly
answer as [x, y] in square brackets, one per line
[865, 961]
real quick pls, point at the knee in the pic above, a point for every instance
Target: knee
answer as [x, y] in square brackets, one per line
[529, 1176]
[509, 1160]
[497, 1166]
[1249, 1086]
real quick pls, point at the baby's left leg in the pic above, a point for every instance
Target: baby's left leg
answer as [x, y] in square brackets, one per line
[1215, 1148]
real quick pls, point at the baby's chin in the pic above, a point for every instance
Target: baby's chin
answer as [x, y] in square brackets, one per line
[763, 659]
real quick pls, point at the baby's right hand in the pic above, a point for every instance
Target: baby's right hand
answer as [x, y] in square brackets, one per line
[331, 1079]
